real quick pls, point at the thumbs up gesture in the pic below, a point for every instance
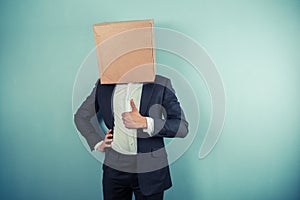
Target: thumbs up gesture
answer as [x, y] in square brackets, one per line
[133, 119]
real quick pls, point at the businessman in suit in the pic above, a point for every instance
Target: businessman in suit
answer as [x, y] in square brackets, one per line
[138, 116]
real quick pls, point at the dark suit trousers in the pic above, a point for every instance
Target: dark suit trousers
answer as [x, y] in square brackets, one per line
[120, 185]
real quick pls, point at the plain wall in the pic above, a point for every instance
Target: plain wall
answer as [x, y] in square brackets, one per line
[255, 45]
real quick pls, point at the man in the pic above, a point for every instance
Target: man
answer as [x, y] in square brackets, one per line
[138, 116]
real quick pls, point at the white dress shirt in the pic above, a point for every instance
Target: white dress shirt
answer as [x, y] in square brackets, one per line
[124, 139]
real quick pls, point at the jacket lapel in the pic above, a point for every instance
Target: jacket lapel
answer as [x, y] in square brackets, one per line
[146, 96]
[106, 99]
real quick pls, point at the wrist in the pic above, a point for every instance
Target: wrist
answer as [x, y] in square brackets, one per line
[144, 123]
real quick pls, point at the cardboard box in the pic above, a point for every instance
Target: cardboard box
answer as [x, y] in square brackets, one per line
[125, 51]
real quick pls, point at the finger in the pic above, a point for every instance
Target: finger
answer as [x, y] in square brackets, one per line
[109, 131]
[126, 122]
[126, 125]
[108, 136]
[108, 140]
[126, 119]
[133, 105]
[126, 114]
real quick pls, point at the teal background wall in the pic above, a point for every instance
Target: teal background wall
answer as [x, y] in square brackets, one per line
[255, 45]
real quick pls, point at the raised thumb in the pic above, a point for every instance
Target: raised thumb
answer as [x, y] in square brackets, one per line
[133, 107]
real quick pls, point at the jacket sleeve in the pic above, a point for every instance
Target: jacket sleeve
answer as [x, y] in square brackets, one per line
[174, 123]
[83, 119]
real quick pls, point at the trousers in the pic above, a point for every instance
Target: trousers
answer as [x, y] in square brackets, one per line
[121, 184]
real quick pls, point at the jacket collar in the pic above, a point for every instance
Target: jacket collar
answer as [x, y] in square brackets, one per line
[107, 94]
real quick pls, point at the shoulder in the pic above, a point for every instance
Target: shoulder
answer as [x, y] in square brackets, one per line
[97, 82]
[161, 80]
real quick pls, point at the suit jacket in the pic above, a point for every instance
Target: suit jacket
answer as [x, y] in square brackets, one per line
[159, 102]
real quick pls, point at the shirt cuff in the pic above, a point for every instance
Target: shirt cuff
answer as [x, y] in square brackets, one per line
[150, 126]
[97, 145]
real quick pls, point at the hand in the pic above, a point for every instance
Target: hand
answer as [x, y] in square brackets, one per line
[106, 142]
[133, 119]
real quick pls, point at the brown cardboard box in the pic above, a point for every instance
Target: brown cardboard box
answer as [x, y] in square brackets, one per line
[125, 51]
